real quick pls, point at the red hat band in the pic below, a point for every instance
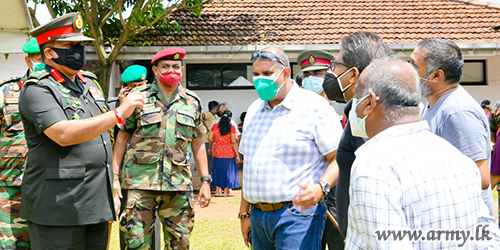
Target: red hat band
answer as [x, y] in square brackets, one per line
[317, 61]
[50, 35]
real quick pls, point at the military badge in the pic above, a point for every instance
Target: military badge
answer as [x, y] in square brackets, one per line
[96, 93]
[76, 116]
[78, 22]
[176, 56]
[143, 76]
[312, 60]
[15, 94]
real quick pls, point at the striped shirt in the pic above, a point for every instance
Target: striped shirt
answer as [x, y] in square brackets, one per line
[287, 144]
[407, 178]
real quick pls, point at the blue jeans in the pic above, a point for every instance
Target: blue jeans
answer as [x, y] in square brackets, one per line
[288, 228]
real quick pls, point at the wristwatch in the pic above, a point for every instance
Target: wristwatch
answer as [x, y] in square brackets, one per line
[206, 178]
[325, 187]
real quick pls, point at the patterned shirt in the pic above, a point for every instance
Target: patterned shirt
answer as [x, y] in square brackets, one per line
[287, 144]
[157, 156]
[223, 148]
[13, 147]
[407, 178]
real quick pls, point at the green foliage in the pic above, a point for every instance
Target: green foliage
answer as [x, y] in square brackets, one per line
[6, 56]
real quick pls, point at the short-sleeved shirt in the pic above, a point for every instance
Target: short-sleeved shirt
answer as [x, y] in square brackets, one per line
[287, 144]
[459, 119]
[65, 185]
[401, 180]
[158, 151]
[13, 147]
[223, 148]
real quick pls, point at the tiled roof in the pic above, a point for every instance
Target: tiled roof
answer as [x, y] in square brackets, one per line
[327, 21]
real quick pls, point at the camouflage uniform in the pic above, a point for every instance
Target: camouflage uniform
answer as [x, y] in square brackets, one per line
[156, 167]
[13, 150]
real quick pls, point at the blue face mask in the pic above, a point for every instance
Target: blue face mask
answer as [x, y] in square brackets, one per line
[314, 84]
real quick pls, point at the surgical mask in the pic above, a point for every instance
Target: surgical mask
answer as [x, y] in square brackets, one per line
[333, 86]
[73, 58]
[358, 125]
[314, 84]
[36, 65]
[170, 78]
[426, 89]
[266, 86]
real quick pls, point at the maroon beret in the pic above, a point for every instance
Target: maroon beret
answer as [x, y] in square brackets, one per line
[173, 53]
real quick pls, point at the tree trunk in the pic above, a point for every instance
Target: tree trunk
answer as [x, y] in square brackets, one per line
[105, 77]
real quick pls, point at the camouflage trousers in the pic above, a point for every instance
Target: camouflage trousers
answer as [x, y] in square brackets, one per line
[176, 213]
[13, 230]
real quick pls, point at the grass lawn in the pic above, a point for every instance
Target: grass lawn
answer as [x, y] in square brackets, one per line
[207, 234]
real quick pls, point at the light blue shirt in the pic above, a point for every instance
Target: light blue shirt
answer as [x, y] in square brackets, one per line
[287, 144]
[459, 119]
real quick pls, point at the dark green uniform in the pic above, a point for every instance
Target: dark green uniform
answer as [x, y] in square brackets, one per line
[156, 167]
[71, 185]
[13, 150]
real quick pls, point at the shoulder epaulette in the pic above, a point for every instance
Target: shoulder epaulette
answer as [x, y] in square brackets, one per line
[10, 79]
[193, 94]
[89, 74]
[36, 76]
[39, 74]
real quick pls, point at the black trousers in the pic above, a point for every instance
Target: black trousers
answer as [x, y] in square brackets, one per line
[86, 237]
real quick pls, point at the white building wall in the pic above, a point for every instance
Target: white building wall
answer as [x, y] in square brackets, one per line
[14, 65]
[492, 90]
[238, 100]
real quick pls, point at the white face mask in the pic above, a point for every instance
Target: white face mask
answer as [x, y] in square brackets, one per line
[358, 125]
[35, 64]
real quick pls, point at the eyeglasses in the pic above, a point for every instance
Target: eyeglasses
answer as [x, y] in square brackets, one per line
[265, 55]
[334, 63]
[316, 73]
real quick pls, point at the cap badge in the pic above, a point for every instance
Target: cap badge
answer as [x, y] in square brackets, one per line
[176, 56]
[143, 76]
[312, 60]
[78, 22]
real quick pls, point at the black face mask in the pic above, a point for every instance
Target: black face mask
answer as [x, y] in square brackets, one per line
[73, 58]
[332, 87]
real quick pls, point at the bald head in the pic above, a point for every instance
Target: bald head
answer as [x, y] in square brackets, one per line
[397, 85]
[281, 54]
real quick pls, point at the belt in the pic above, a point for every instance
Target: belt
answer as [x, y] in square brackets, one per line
[268, 207]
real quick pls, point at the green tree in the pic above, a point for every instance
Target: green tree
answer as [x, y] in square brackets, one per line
[105, 22]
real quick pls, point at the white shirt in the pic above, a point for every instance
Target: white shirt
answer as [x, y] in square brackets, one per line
[287, 144]
[408, 178]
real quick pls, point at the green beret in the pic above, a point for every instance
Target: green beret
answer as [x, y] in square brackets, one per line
[31, 47]
[134, 73]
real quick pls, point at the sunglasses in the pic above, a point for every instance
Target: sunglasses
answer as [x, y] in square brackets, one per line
[265, 55]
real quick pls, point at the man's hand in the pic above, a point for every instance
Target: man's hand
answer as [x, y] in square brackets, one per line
[118, 196]
[309, 196]
[204, 195]
[123, 93]
[130, 102]
[245, 229]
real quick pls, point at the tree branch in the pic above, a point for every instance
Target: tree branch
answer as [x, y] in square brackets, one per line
[110, 13]
[49, 7]
[122, 21]
[33, 17]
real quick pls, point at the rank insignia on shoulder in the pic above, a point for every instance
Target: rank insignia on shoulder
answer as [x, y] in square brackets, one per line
[96, 93]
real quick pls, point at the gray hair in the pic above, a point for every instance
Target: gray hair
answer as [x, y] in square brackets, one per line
[397, 85]
[445, 55]
[363, 47]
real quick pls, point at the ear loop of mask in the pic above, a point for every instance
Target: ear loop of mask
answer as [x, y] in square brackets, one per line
[340, 82]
